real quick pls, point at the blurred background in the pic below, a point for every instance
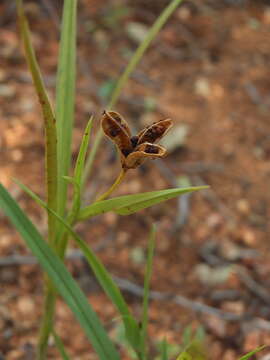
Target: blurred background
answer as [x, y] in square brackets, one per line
[208, 70]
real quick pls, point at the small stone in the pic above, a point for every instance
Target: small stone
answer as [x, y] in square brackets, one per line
[212, 276]
[214, 220]
[243, 206]
[136, 31]
[7, 90]
[217, 325]
[229, 251]
[202, 87]
[16, 155]
[248, 237]
[236, 307]
[183, 13]
[122, 237]
[6, 242]
[26, 305]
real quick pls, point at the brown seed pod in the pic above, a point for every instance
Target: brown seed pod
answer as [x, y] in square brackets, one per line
[135, 149]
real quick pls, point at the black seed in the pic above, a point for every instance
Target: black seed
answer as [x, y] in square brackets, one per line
[134, 140]
[114, 132]
[150, 149]
[126, 152]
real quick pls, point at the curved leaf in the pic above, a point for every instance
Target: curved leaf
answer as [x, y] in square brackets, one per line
[194, 351]
[48, 116]
[128, 204]
[102, 275]
[65, 97]
[251, 353]
[61, 278]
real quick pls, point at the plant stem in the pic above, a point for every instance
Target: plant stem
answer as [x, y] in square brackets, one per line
[113, 187]
[47, 320]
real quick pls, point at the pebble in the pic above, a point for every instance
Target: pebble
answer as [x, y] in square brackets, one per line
[236, 307]
[26, 305]
[243, 206]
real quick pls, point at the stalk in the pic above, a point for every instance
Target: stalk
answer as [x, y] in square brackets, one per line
[113, 187]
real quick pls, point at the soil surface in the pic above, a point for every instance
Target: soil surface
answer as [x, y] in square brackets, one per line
[208, 70]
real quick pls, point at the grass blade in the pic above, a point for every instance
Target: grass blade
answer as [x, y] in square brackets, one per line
[164, 350]
[148, 273]
[251, 353]
[60, 346]
[195, 350]
[82, 152]
[48, 116]
[152, 33]
[61, 278]
[77, 179]
[65, 97]
[102, 275]
[128, 204]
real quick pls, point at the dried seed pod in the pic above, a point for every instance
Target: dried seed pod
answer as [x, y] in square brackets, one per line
[155, 131]
[117, 130]
[143, 152]
[135, 149]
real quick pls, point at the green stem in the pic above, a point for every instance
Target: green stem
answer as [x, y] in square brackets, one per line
[113, 187]
[47, 320]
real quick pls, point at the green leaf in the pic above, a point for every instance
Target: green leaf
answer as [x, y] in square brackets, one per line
[102, 275]
[194, 351]
[77, 179]
[65, 97]
[164, 350]
[128, 204]
[248, 356]
[82, 152]
[60, 346]
[187, 336]
[48, 115]
[148, 273]
[61, 278]
[152, 33]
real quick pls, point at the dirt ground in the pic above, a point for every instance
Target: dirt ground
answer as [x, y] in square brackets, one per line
[208, 70]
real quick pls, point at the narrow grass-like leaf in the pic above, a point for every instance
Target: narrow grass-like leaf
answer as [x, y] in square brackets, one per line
[48, 116]
[147, 277]
[128, 204]
[82, 152]
[79, 166]
[102, 275]
[61, 278]
[150, 36]
[164, 350]
[65, 97]
[138, 54]
[60, 346]
[194, 351]
[251, 353]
